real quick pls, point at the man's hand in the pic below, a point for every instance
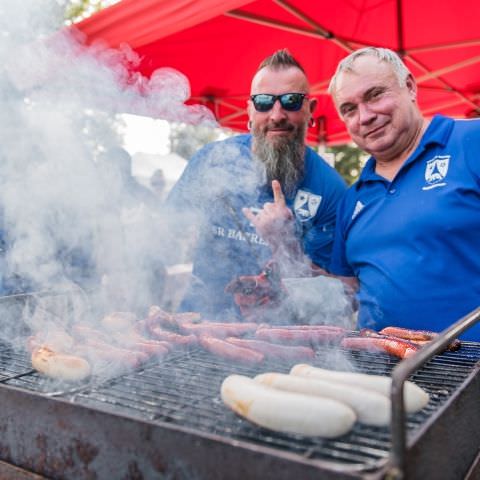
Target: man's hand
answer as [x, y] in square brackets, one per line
[274, 223]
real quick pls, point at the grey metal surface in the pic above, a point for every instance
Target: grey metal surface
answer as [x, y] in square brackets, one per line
[166, 420]
[172, 411]
[401, 372]
[474, 470]
[11, 472]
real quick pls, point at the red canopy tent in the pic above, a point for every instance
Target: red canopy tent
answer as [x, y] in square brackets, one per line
[219, 44]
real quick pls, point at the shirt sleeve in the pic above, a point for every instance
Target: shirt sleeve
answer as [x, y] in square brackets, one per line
[186, 193]
[220, 169]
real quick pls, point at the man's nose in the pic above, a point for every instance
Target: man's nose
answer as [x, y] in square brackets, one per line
[365, 114]
[277, 112]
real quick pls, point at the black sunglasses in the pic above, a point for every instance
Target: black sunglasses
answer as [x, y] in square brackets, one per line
[292, 102]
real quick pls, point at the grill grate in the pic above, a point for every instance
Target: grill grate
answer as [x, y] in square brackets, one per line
[184, 390]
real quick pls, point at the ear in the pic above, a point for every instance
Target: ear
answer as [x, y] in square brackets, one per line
[411, 85]
[250, 109]
[312, 105]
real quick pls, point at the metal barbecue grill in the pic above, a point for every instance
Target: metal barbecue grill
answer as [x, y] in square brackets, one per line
[166, 420]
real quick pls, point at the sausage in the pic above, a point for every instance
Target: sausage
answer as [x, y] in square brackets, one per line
[134, 341]
[394, 346]
[219, 330]
[285, 411]
[419, 337]
[158, 317]
[414, 397]
[118, 321]
[107, 359]
[58, 365]
[301, 337]
[408, 334]
[173, 338]
[368, 332]
[229, 351]
[85, 331]
[190, 317]
[371, 408]
[105, 351]
[148, 347]
[274, 351]
[303, 327]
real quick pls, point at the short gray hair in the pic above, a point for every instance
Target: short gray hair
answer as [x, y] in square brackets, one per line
[383, 55]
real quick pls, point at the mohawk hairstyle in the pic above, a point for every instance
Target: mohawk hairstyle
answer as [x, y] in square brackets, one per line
[279, 60]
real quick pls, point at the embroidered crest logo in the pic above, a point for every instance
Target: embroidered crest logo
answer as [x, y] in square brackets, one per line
[436, 171]
[306, 205]
[358, 208]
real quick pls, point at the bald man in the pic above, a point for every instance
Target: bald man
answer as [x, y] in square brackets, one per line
[260, 196]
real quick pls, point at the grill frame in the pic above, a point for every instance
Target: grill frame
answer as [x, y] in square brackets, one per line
[89, 443]
[60, 437]
[54, 434]
[400, 462]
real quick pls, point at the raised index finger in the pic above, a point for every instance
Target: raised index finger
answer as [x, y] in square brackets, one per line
[278, 196]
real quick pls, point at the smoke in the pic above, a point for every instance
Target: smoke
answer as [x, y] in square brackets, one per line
[69, 223]
[319, 300]
[65, 218]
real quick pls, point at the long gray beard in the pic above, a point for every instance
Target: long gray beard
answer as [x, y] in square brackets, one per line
[283, 160]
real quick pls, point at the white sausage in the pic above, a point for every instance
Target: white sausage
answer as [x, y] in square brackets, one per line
[371, 408]
[58, 365]
[285, 411]
[414, 397]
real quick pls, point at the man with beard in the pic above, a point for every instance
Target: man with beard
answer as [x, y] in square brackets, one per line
[259, 196]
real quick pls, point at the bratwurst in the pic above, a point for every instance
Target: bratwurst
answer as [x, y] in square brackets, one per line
[320, 335]
[397, 347]
[286, 411]
[274, 351]
[61, 366]
[371, 408]
[414, 397]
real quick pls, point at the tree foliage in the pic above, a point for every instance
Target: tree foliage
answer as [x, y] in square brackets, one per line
[349, 161]
[185, 139]
[76, 10]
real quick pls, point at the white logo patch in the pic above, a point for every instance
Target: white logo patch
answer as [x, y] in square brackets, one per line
[306, 205]
[436, 171]
[358, 208]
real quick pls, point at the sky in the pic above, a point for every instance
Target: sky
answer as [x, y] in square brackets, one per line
[146, 135]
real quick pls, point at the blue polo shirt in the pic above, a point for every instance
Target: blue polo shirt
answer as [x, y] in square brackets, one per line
[218, 182]
[414, 242]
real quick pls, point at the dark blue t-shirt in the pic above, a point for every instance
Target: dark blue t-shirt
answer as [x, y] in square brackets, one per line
[413, 242]
[218, 182]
